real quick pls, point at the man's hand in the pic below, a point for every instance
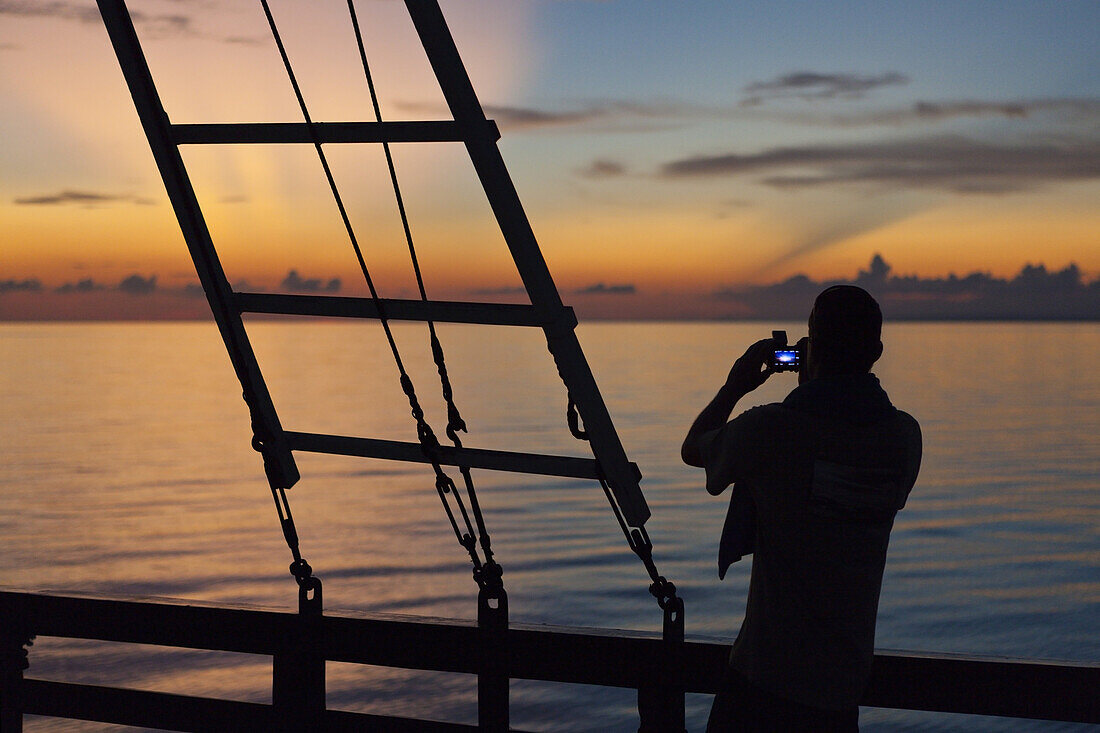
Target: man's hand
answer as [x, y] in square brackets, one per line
[753, 368]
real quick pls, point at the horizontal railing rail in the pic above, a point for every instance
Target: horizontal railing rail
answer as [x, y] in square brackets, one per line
[625, 659]
[182, 712]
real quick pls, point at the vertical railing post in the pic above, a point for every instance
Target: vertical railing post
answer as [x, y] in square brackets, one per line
[661, 705]
[298, 670]
[13, 660]
[492, 678]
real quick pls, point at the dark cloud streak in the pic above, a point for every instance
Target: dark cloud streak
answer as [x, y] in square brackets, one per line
[809, 85]
[159, 24]
[527, 117]
[604, 115]
[603, 168]
[87, 198]
[947, 163]
[886, 211]
[1083, 110]
[618, 115]
[245, 40]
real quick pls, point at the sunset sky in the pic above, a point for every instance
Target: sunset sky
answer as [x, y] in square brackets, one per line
[665, 151]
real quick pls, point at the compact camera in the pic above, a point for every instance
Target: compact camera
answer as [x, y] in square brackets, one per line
[785, 358]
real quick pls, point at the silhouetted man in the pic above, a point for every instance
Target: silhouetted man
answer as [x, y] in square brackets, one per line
[817, 480]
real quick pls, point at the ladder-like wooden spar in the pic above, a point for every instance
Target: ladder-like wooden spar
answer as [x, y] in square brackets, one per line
[468, 126]
[661, 706]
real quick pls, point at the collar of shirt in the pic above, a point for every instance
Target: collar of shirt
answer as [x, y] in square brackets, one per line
[853, 398]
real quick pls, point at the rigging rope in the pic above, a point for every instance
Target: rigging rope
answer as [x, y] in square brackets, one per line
[487, 574]
[455, 422]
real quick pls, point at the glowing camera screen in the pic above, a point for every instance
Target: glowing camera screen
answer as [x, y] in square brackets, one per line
[785, 360]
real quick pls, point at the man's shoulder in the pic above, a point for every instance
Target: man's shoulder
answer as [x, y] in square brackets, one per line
[907, 422]
[870, 453]
[897, 427]
[773, 412]
[893, 427]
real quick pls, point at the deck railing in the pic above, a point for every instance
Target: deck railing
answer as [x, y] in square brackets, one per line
[300, 646]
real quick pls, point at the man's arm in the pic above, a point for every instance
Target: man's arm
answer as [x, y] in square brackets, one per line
[748, 373]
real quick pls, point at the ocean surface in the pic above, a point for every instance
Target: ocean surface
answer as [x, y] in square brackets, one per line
[126, 467]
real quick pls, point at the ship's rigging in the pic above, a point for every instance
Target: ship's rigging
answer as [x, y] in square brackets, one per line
[617, 477]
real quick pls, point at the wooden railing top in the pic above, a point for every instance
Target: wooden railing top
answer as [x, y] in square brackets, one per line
[954, 683]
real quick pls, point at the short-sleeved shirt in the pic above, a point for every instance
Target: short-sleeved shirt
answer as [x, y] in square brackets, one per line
[817, 481]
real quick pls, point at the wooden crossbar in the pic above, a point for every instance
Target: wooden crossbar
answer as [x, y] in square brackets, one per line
[428, 131]
[441, 311]
[493, 460]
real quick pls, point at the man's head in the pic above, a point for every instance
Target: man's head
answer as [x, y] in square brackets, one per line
[845, 331]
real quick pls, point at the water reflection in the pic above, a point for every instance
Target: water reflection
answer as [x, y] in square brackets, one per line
[128, 470]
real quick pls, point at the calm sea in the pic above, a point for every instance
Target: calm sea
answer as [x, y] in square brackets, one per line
[127, 470]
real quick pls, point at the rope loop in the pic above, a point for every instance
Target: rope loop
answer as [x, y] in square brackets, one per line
[455, 423]
[574, 419]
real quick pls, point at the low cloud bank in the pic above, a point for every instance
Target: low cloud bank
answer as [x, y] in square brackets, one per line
[604, 289]
[85, 285]
[296, 283]
[138, 285]
[1034, 293]
[31, 285]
